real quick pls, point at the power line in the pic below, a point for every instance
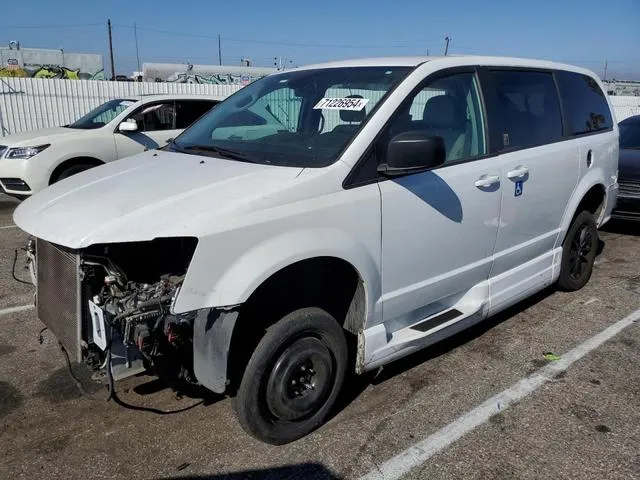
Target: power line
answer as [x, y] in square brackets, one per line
[268, 42]
[20, 27]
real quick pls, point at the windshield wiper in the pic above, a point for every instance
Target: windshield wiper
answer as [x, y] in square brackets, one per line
[232, 154]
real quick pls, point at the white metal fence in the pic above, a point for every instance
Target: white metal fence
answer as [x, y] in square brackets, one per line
[32, 103]
[625, 107]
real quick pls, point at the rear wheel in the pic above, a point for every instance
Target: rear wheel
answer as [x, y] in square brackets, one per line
[293, 377]
[72, 170]
[578, 253]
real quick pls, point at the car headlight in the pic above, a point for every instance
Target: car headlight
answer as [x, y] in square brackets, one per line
[25, 152]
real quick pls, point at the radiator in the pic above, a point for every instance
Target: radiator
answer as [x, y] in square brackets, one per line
[59, 295]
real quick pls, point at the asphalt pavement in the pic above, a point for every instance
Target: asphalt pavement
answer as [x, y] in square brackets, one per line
[582, 423]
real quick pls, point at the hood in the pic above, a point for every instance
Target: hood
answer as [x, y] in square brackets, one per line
[38, 137]
[153, 194]
[629, 165]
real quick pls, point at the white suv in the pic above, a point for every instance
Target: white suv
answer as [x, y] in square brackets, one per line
[326, 220]
[118, 128]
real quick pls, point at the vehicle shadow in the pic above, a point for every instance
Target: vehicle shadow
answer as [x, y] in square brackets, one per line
[144, 140]
[434, 191]
[312, 471]
[8, 203]
[623, 227]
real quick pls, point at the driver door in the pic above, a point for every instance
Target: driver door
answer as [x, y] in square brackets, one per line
[439, 227]
[156, 125]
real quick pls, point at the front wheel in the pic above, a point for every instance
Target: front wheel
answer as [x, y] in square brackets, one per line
[578, 253]
[293, 377]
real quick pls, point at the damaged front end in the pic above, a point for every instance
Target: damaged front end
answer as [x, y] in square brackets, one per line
[115, 301]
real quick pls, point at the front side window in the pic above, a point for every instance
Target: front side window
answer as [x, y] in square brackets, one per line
[155, 116]
[299, 118]
[448, 107]
[630, 135]
[525, 111]
[100, 116]
[584, 102]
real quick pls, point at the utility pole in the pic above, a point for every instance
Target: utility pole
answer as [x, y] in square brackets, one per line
[446, 47]
[113, 68]
[427, 52]
[135, 35]
[219, 51]
[605, 69]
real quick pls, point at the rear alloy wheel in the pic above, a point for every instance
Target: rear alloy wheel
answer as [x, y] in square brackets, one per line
[293, 377]
[578, 253]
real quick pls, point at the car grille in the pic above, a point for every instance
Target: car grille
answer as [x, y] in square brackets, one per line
[59, 294]
[629, 189]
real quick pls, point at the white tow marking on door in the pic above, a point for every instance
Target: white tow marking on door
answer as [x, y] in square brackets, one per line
[21, 308]
[7, 226]
[422, 451]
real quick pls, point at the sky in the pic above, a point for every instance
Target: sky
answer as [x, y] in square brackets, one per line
[585, 33]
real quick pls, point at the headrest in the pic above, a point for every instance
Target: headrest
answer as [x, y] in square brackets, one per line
[356, 116]
[443, 111]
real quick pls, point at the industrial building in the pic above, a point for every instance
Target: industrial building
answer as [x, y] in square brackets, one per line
[16, 61]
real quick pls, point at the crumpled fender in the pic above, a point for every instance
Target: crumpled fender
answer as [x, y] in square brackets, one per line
[209, 285]
[212, 331]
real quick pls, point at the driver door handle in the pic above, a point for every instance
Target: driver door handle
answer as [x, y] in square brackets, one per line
[518, 172]
[487, 181]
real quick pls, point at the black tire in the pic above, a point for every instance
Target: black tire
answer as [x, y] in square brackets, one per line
[293, 377]
[72, 170]
[578, 253]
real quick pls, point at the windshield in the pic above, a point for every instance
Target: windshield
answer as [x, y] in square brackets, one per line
[100, 116]
[299, 118]
[630, 135]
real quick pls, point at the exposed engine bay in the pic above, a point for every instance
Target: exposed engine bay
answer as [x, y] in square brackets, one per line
[126, 295]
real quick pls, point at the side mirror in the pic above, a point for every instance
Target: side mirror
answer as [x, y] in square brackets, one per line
[130, 125]
[412, 152]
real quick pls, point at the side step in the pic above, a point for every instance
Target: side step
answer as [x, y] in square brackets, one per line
[382, 345]
[436, 321]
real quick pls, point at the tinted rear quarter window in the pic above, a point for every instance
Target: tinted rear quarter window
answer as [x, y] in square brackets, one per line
[630, 135]
[586, 108]
[188, 111]
[525, 110]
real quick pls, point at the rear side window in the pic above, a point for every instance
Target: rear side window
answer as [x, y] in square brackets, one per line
[188, 111]
[585, 105]
[630, 135]
[526, 110]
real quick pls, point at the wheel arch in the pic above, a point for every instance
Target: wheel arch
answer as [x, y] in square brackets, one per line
[69, 162]
[326, 282]
[589, 195]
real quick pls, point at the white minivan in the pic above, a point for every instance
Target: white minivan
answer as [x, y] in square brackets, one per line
[121, 127]
[328, 220]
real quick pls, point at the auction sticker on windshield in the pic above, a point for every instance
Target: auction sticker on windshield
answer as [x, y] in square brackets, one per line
[356, 104]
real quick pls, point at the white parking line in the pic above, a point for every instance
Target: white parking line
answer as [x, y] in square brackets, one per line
[422, 451]
[21, 308]
[8, 226]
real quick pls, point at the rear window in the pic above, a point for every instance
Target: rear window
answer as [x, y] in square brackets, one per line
[585, 105]
[526, 111]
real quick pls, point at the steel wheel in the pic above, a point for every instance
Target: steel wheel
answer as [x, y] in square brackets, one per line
[301, 380]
